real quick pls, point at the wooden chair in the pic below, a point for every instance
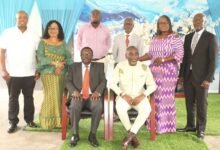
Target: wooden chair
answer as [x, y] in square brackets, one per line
[85, 114]
[109, 110]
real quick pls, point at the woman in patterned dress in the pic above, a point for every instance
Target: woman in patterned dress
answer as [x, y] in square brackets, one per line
[165, 53]
[53, 60]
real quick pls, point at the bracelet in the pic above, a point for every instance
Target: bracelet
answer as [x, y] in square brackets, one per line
[56, 63]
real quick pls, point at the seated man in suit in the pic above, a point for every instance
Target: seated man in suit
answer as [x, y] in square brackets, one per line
[129, 79]
[86, 83]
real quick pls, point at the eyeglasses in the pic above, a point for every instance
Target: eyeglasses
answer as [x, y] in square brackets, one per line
[53, 28]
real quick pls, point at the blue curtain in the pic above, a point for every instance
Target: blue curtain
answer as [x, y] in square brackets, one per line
[214, 6]
[66, 12]
[8, 10]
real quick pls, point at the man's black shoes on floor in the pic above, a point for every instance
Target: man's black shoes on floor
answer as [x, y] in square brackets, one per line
[13, 128]
[74, 139]
[32, 124]
[93, 140]
[186, 129]
[201, 135]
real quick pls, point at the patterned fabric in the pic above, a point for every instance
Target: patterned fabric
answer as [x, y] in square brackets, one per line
[50, 113]
[166, 76]
[47, 53]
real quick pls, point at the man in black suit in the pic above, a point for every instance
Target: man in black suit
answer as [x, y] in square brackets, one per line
[75, 84]
[197, 72]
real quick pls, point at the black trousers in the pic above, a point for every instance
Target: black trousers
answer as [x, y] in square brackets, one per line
[77, 106]
[196, 103]
[26, 86]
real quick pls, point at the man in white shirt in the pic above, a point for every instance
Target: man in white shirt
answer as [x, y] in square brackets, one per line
[123, 40]
[129, 79]
[18, 61]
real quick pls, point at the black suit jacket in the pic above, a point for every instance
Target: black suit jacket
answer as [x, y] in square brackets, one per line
[203, 59]
[97, 77]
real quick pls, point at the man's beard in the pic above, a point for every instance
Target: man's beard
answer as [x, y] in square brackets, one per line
[95, 22]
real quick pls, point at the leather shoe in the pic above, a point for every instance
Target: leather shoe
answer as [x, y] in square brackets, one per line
[127, 140]
[74, 139]
[186, 129]
[32, 124]
[135, 143]
[13, 128]
[93, 140]
[201, 135]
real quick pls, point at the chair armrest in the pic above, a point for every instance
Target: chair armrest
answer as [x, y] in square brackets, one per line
[108, 114]
[64, 114]
[152, 118]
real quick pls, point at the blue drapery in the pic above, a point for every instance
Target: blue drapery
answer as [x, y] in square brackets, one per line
[8, 10]
[215, 14]
[66, 12]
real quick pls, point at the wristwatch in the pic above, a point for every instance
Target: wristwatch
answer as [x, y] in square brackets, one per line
[163, 60]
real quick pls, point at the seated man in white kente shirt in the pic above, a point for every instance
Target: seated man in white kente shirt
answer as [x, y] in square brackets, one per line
[128, 81]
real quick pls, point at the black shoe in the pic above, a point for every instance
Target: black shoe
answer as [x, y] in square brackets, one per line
[93, 140]
[186, 129]
[32, 124]
[13, 128]
[201, 135]
[74, 139]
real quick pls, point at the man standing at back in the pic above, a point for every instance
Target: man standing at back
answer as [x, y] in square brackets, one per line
[123, 40]
[18, 61]
[95, 35]
[197, 72]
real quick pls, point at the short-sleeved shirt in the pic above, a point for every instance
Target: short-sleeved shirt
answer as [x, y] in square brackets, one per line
[20, 51]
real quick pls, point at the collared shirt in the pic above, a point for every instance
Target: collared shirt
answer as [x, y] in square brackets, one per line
[194, 35]
[119, 45]
[199, 35]
[20, 51]
[99, 39]
[83, 72]
[131, 79]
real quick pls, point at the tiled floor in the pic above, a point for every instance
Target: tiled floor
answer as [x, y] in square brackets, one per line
[26, 140]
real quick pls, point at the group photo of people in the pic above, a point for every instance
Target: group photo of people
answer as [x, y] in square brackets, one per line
[158, 59]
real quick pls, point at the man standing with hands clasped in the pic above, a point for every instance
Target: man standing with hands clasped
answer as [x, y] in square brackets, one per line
[197, 72]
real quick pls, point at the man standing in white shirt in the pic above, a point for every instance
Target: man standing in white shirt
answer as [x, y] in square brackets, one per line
[123, 40]
[129, 79]
[18, 61]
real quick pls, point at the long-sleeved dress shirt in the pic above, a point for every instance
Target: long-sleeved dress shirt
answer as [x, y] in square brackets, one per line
[131, 79]
[119, 45]
[99, 39]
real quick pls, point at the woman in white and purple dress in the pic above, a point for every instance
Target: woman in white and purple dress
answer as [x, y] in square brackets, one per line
[165, 53]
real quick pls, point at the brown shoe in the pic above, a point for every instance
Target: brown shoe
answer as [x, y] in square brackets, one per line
[127, 140]
[135, 143]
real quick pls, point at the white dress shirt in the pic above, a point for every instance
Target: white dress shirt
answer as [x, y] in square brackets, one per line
[20, 51]
[131, 79]
[119, 45]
